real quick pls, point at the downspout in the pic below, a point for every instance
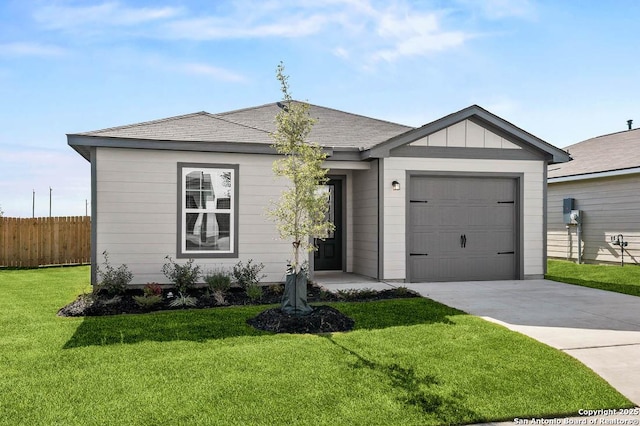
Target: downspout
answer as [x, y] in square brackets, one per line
[568, 242]
[579, 227]
[578, 219]
[380, 220]
[94, 216]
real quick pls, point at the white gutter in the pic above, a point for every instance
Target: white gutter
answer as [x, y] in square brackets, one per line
[596, 175]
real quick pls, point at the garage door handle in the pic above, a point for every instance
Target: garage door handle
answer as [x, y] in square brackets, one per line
[506, 252]
[418, 254]
[463, 241]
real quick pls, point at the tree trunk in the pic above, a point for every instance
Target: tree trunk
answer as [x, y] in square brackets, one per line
[294, 299]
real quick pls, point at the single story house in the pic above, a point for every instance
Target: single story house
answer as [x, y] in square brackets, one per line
[603, 183]
[460, 198]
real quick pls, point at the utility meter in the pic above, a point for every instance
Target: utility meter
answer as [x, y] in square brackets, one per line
[567, 206]
[576, 217]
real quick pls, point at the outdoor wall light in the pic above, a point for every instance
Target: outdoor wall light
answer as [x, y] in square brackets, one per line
[395, 185]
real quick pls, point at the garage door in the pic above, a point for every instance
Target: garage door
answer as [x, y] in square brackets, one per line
[462, 228]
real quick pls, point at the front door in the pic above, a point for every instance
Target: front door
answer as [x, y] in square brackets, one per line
[328, 257]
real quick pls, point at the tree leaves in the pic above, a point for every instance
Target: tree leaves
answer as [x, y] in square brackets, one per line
[301, 212]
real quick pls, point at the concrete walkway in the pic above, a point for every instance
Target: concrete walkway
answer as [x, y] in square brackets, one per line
[599, 328]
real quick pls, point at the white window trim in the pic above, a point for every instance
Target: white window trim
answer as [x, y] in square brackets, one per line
[183, 170]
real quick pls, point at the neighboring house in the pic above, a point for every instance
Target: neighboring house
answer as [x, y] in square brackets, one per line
[461, 198]
[604, 181]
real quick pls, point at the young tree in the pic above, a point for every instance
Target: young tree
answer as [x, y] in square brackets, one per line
[301, 212]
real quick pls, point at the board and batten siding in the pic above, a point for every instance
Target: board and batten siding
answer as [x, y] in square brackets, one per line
[136, 196]
[394, 210]
[465, 134]
[610, 207]
[365, 221]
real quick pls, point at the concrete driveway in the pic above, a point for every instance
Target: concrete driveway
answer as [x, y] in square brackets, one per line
[599, 328]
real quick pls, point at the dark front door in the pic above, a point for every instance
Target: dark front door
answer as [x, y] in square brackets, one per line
[329, 254]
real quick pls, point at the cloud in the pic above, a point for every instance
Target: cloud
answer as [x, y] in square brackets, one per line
[501, 9]
[31, 49]
[362, 31]
[414, 35]
[210, 71]
[105, 14]
[211, 28]
[341, 52]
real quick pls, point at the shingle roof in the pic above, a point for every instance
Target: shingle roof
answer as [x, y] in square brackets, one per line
[333, 128]
[616, 151]
[199, 126]
[345, 136]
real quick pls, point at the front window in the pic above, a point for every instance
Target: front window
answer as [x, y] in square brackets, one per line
[208, 210]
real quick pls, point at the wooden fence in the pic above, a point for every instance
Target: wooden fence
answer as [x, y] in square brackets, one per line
[45, 241]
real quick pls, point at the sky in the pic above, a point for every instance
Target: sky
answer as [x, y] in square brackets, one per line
[564, 71]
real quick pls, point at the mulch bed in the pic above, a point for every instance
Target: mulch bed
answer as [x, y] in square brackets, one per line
[323, 319]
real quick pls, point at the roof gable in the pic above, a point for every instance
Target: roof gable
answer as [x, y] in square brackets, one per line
[499, 132]
[465, 134]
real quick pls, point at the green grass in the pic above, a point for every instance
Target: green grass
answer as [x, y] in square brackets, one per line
[621, 279]
[409, 362]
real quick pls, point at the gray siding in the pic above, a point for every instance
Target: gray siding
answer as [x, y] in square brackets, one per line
[136, 194]
[365, 221]
[532, 231]
[611, 206]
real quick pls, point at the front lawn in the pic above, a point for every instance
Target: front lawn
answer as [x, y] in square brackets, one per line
[621, 279]
[408, 362]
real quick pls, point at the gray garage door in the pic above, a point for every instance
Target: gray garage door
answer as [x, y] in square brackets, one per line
[462, 228]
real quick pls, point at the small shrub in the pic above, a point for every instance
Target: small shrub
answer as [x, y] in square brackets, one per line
[254, 292]
[112, 300]
[218, 280]
[114, 281]
[276, 289]
[147, 302]
[354, 294]
[184, 277]
[152, 289]
[366, 293]
[184, 301]
[402, 291]
[220, 298]
[343, 294]
[324, 294]
[246, 275]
